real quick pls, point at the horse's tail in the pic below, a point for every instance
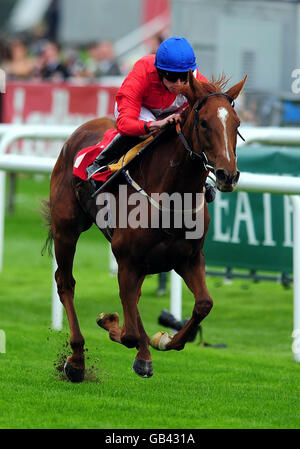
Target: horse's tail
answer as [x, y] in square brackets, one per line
[45, 212]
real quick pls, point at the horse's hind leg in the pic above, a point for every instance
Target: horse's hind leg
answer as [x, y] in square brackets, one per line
[65, 244]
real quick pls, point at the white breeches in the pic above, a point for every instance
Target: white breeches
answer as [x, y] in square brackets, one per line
[145, 114]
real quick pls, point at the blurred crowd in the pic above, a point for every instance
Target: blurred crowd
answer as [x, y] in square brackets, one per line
[43, 59]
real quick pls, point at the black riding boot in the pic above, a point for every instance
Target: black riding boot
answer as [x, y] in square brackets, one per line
[115, 149]
[210, 192]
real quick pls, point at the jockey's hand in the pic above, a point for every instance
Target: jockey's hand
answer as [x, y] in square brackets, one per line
[159, 124]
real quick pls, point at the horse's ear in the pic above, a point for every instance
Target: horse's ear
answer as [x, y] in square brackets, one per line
[192, 81]
[235, 90]
[189, 90]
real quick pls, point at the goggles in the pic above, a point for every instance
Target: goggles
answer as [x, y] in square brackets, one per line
[174, 76]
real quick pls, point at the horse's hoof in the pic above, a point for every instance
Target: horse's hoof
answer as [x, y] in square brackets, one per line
[73, 374]
[104, 317]
[143, 368]
[160, 340]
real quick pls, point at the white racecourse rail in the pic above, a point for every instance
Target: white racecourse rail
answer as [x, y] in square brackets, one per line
[248, 182]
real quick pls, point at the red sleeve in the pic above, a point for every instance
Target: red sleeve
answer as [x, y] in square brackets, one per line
[129, 101]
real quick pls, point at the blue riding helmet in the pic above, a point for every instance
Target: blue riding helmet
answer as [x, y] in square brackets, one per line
[175, 55]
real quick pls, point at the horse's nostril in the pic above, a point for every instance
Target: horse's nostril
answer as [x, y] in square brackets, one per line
[236, 177]
[222, 176]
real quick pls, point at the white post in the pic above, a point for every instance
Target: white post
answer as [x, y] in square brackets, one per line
[296, 275]
[57, 308]
[113, 265]
[2, 216]
[176, 295]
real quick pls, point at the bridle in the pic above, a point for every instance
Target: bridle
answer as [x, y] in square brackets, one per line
[193, 154]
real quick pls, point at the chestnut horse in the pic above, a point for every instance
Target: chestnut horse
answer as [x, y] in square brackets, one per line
[209, 128]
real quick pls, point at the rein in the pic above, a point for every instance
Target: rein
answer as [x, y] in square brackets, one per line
[201, 156]
[154, 203]
[193, 154]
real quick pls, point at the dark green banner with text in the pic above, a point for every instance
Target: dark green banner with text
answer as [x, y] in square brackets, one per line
[254, 230]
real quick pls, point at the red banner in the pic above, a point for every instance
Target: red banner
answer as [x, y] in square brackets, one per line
[55, 104]
[153, 8]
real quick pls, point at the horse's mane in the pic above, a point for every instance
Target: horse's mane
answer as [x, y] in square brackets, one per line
[215, 85]
[200, 89]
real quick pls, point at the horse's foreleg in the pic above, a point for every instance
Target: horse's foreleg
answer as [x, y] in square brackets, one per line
[132, 333]
[129, 292]
[194, 277]
[110, 322]
[143, 362]
[64, 251]
[130, 285]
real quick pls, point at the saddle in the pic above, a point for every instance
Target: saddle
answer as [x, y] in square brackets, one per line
[126, 161]
[129, 155]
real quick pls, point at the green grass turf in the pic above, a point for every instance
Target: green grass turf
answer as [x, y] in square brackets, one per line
[253, 383]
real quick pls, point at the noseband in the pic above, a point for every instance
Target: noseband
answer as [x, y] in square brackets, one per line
[202, 156]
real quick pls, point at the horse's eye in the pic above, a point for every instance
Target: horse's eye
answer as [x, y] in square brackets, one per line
[203, 123]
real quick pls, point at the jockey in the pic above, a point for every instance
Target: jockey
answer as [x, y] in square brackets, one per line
[148, 93]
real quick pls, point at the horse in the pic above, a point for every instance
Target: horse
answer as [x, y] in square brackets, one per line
[179, 162]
